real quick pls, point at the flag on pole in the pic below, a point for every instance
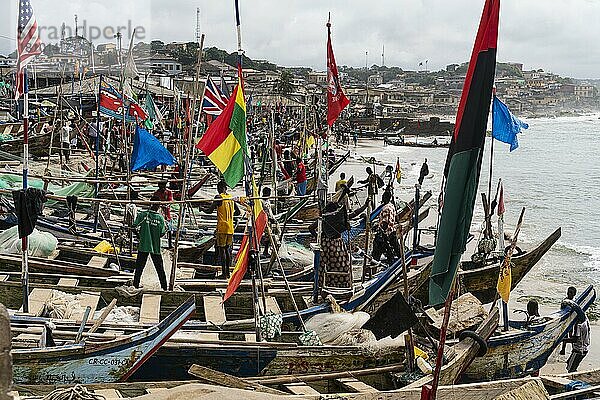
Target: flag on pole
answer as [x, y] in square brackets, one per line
[398, 171]
[224, 143]
[505, 126]
[111, 104]
[505, 275]
[29, 44]
[463, 162]
[214, 100]
[148, 152]
[336, 99]
[241, 262]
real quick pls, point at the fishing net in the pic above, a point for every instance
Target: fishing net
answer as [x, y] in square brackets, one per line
[295, 254]
[330, 327]
[270, 325]
[121, 315]
[40, 244]
[309, 338]
[62, 305]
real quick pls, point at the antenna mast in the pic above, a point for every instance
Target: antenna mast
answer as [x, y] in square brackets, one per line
[198, 34]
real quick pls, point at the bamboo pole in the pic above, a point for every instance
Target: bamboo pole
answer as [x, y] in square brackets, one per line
[181, 214]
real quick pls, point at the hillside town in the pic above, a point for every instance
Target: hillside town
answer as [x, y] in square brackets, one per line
[378, 91]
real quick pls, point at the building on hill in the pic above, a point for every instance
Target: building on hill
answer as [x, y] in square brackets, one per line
[166, 64]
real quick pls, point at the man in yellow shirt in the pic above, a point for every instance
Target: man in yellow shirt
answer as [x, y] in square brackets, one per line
[225, 207]
[342, 181]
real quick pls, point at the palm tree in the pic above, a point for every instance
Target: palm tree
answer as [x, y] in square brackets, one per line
[284, 84]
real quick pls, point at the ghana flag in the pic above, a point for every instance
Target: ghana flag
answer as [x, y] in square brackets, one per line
[463, 163]
[225, 140]
[241, 262]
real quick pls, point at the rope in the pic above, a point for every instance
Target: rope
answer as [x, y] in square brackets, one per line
[77, 392]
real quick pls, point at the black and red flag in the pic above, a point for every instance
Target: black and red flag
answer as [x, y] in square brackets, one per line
[463, 163]
[336, 99]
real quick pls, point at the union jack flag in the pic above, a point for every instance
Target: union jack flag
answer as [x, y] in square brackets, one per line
[214, 99]
[28, 43]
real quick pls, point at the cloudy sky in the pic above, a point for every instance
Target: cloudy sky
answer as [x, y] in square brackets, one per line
[558, 35]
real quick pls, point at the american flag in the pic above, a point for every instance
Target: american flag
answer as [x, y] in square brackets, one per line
[214, 99]
[28, 42]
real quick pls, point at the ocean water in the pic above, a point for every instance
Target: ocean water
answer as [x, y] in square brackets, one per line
[554, 174]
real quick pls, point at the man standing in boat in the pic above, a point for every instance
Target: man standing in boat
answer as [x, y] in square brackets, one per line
[225, 207]
[151, 228]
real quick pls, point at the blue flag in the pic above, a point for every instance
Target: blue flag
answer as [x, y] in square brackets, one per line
[148, 152]
[505, 126]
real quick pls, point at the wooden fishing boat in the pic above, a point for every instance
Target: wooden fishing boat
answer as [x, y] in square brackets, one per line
[86, 362]
[401, 142]
[481, 280]
[524, 349]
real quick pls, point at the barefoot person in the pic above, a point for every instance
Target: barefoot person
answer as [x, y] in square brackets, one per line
[225, 207]
[152, 227]
[581, 342]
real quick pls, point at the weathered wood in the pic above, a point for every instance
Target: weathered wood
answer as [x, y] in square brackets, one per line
[109, 393]
[150, 308]
[556, 382]
[221, 379]
[68, 282]
[3, 277]
[576, 393]
[5, 357]
[87, 299]
[103, 316]
[37, 300]
[97, 262]
[466, 351]
[272, 305]
[533, 390]
[283, 379]
[591, 377]
[214, 310]
[301, 388]
[355, 385]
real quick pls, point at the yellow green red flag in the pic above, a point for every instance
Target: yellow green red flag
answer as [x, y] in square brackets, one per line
[224, 143]
[241, 262]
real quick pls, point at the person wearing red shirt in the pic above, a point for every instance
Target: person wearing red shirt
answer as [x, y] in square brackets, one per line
[300, 177]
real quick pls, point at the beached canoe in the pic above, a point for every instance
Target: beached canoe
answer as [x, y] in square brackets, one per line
[87, 362]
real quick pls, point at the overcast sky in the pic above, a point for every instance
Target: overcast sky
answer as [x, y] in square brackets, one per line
[557, 35]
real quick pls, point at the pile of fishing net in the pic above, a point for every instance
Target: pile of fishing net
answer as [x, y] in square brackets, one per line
[294, 254]
[121, 315]
[345, 329]
[40, 244]
[61, 305]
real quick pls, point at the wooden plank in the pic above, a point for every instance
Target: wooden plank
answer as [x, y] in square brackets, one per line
[155, 390]
[272, 305]
[556, 382]
[97, 262]
[150, 309]
[355, 385]
[301, 388]
[575, 393]
[90, 299]
[214, 309]
[533, 390]
[3, 277]
[37, 298]
[109, 393]
[68, 282]
[250, 337]
[221, 379]
[186, 273]
[591, 377]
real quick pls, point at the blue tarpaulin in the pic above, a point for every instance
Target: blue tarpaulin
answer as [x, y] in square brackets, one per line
[505, 126]
[148, 152]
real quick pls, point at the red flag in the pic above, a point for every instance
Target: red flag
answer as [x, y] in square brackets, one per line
[501, 200]
[336, 99]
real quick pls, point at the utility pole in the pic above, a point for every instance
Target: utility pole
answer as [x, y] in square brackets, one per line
[76, 27]
[367, 76]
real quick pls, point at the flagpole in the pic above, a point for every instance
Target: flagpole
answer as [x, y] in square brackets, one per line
[189, 150]
[97, 150]
[24, 243]
[254, 258]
